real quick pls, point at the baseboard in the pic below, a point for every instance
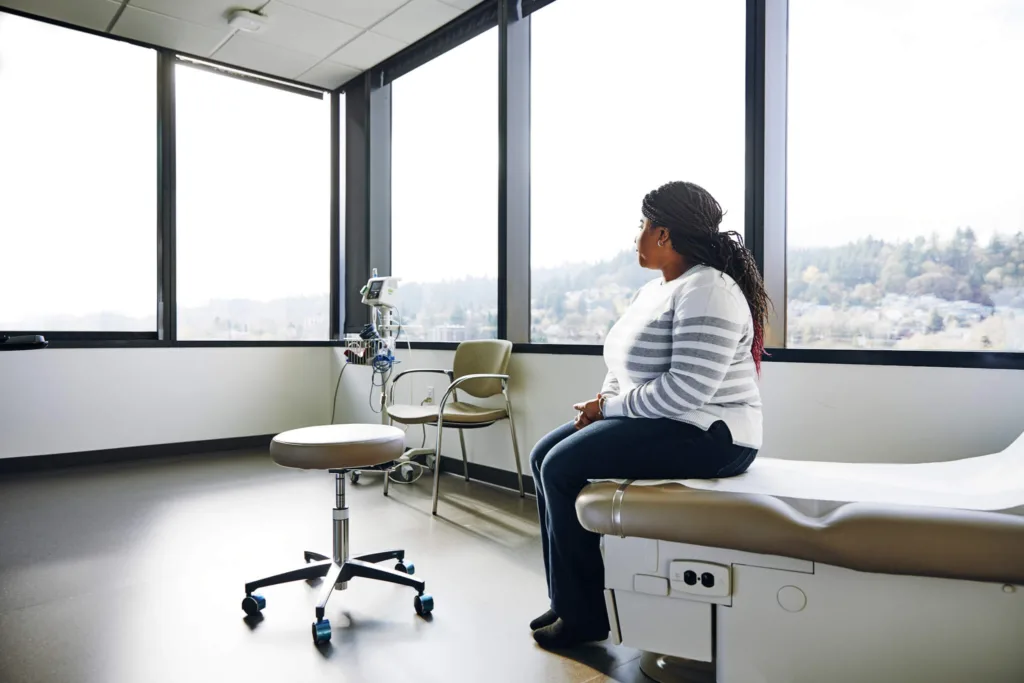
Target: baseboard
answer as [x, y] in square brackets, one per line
[33, 463]
[487, 474]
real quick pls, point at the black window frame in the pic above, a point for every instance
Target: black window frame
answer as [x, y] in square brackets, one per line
[361, 229]
[165, 334]
[766, 38]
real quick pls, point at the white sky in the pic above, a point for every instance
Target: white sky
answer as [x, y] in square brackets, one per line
[254, 172]
[904, 118]
[77, 173]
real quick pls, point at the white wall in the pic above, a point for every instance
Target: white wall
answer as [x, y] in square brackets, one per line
[70, 400]
[812, 412]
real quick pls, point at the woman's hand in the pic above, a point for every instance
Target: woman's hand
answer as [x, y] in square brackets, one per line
[589, 412]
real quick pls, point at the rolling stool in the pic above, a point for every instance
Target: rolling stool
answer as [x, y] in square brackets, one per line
[339, 448]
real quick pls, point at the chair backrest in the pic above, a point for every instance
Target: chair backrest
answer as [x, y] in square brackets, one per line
[488, 356]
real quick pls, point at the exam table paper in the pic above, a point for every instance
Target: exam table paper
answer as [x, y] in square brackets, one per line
[989, 482]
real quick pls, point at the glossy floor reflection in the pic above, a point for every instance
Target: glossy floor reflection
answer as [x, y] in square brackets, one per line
[134, 572]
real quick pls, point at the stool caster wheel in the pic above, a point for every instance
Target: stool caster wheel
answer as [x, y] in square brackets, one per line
[424, 604]
[354, 477]
[405, 567]
[321, 632]
[253, 604]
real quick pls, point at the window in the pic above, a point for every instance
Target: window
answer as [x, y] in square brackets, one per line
[905, 225]
[77, 181]
[624, 100]
[444, 221]
[253, 210]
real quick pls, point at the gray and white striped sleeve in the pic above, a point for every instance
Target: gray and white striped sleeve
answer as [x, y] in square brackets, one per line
[707, 330]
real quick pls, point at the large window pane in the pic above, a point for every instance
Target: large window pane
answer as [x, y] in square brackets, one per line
[444, 188]
[253, 210]
[906, 169]
[625, 97]
[77, 181]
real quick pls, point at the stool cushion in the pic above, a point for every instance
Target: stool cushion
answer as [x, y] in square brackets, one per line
[338, 447]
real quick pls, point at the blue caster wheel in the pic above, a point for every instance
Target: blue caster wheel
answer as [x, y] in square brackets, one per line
[405, 567]
[424, 604]
[321, 632]
[253, 604]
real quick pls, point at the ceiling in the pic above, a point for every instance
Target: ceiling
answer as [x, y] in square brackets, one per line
[320, 42]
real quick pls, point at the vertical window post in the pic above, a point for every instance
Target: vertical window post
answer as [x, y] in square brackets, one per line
[367, 241]
[380, 178]
[513, 172]
[166, 318]
[772, 243]
[337, 244]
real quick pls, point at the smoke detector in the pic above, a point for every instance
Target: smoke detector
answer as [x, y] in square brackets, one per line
[245, 20]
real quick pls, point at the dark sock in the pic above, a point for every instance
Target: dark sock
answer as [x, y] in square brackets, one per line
[543, 620]
[560, 635]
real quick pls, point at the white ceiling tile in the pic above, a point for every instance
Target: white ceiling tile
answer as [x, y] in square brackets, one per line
[249, 53]
[329, 75]
[212, 13]
[361, 13]
[94, 14]
[367, 50]
[303, 31]
[462, 4]
[415, 20]
[157, 29]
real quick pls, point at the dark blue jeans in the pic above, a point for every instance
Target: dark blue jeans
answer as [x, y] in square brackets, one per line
[616, 448]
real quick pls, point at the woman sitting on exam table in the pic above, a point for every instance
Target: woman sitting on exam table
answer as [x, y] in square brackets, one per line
[680, 399]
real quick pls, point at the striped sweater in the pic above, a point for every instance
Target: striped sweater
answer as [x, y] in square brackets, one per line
[682, 351]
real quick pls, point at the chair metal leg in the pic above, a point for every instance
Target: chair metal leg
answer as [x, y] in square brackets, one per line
[515, 444]
[387, 471]
[465, 460]
[437, 464]
[330, 579]
[314, 557]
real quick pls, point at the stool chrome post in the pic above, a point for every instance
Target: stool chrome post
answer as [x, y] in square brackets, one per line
[340, 523]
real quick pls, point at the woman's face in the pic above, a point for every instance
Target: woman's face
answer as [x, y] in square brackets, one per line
[647, 249]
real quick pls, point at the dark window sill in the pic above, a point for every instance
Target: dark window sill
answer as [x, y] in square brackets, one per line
[927, 359]
[924, 359]
[86, 343]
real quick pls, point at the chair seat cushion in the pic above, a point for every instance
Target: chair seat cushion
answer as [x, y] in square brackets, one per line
[338, 447]
[454, 413]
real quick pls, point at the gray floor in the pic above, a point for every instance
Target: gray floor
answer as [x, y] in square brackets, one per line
[134, 573]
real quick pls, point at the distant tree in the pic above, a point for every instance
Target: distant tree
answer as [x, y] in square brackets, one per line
[558, 306]
[936, 323]
[458, 316]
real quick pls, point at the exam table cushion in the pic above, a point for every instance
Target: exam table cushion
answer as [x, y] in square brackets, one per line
[871, 537]
[338, 447]
[454, 413]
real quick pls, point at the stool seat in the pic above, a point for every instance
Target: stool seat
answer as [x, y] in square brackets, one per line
[338, 447]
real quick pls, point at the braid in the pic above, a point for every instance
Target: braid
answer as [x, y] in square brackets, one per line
[692, 216]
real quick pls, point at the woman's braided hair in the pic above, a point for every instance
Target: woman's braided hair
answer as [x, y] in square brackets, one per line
[692, 217]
